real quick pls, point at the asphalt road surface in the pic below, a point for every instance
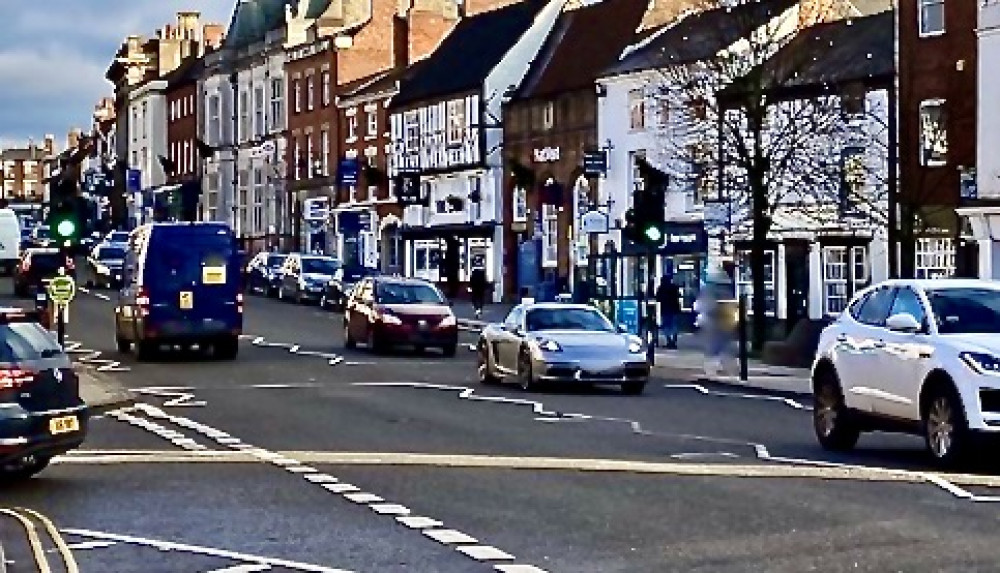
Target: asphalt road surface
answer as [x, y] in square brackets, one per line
[303, 456]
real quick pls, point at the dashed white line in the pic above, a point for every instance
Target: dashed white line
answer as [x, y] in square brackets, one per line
[253, 568]
[363, 498]
[485, 553]
[87, 545]
[449, 536]
[794, 404]
[418, 522]
[389, 509]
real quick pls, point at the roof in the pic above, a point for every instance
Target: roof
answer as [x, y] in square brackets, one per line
[469, 53]
[186, 73]
[381, 83]
[22, 154]
[253, 19]
[582, 44]
[871, 7]
[700, 36]
[835, 53]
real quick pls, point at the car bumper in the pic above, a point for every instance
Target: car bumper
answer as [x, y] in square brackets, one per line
[25, 433]
[408, 335]
[592, 373]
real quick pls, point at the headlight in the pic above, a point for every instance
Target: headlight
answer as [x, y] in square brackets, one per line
[635, 347]
[447, 321]
[981, 363]
[103, 270]
[549, 346]
[391, 319]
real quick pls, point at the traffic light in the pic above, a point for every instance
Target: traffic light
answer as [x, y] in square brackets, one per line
[64, 220]
[648, 200]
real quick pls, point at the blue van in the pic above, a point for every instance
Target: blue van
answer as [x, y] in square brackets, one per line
[181, 284]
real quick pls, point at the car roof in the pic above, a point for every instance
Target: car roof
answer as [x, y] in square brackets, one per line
[938, 284]
[402, 280]
[555, 306]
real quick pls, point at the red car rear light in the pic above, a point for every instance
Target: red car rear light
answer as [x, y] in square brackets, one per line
[13, 378]
[70, 264]
[239, 302]
[142, 300]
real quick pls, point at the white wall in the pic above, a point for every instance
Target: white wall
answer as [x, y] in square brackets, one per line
[150, 135]
[988, 162]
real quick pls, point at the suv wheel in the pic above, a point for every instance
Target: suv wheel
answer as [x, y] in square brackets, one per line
[23, 468]
[486, 375]
[349, 341]
[832, 422]
[124, 346]
[946, 431]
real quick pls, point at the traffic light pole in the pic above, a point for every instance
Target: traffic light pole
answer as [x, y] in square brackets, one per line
[61, 324]
[651, 327]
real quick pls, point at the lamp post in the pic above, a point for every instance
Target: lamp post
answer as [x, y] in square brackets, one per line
[234, 82]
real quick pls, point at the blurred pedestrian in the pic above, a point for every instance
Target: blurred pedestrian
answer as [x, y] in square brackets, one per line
[668, 295]
[715, 322]
[477, 290]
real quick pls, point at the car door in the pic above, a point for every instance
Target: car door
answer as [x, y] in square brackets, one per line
[287, 273]
[860, 346]
[508, 340]
[904, 359]
[253, 272]
[357, 312]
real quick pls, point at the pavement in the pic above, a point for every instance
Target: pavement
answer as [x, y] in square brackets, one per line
[304, 456]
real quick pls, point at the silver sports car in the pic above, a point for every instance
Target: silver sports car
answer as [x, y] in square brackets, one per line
[539, 343]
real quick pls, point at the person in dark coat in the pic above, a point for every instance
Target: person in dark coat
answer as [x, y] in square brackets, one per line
[668, 295]
[477, 290]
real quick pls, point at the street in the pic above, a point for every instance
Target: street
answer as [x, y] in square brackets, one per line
[303, 456]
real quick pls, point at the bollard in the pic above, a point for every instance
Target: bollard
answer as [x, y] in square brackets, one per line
[742, 333]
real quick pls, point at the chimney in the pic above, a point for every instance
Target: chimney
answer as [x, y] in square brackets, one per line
[812, 12]
[50, 145]
[429, 22]
[31, 148]
[400, 41]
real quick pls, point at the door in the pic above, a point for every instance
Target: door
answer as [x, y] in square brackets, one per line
[289, 276]
[903, 360]
[508, 342]
[859, 350]
[796, 283]
[362, 309]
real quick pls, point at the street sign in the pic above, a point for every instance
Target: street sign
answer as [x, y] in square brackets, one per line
[594, 222]
[62, 290]
[316, 209]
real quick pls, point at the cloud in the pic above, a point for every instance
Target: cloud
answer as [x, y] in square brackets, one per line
[54, 53]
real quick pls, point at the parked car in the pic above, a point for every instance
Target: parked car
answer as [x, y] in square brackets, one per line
[262, 273]
[116, 237]
[917, 356]
[10, 240]
[41, 237]
[105, 264]
[41, 413]
[561, 343]
[337, 290]
[186, 291]
[37, 267]
[303, 278]
[384, 312]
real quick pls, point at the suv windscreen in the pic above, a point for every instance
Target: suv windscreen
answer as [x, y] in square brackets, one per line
[26, 341]
[400, 293]
[275, 261]
[111, 253]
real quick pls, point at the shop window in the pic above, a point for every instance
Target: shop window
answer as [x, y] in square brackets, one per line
[550, 236]
[744, 284]
[456, 121]
[933, 133]
[935, 258]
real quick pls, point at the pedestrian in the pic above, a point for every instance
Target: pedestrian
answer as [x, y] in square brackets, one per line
[668, 295]
[477, 289]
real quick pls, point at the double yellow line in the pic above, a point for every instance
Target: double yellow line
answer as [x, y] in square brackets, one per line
[27, 519]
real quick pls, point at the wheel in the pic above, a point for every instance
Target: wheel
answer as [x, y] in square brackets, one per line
[486, 375]
[349, 341]
[374, 343]
[634, 388]
[323, 303]
[419, 349]
[124, 346]
[281, 293]
[227, 348]
[145, 350]
[23, 468]
[946, 430]
[525, 375]
[450, 350]
[835, 429]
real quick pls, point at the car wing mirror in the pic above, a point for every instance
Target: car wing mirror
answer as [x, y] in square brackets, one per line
[623, 328]
[903, 322]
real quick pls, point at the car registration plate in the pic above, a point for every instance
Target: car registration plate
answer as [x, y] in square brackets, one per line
[64, 425]
[186, 300]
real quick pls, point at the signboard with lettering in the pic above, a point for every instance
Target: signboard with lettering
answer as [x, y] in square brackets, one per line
[627, 315]
[316, 209]
[547, 155]
[594, 222]
[406, 186]
[595, 163]
[684, 239]
[133, 179]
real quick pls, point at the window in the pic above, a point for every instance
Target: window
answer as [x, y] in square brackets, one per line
[520, 205]
[931, 17]
[277, 103]
[372, 130]
[875, 309]
[838, 276]
[744, 285]
[456, 121]
[244, 116]
[297, 95]
[636, 110]
[548, 115]
[326, 89]
[214, 122]
[144, 118]
[258, 112]
[310, 92]
[324, 146]
[297, 167]
[933, 133]
[412, 131]
[258, 200]
[550, 236]
[935, 258]
[907, 302]
[352, 128]
[310, 157]
[188, 163]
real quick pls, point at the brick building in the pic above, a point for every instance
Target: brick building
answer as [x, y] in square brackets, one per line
[181, 93]
[22, 171]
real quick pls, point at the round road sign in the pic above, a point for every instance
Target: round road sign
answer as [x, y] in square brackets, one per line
[62, 289]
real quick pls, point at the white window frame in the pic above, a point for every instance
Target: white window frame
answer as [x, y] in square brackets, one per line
[935, 258]
[326, 88]
[214, 121]
[520, 205]
[744, 281]
[456, 121]
[923, 6]
[352, 128]
[324, 145]
[260, 128]
[941, 106]
[411, 131]
[636, 109]
[309, 157]
[372, 125]
[297, 94]
[550, 236]
[310, 92]
[835, 280]
[548, 115]
[277, 103]
[297, 166]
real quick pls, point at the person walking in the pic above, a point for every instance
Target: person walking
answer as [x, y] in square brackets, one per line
[477, 290]
[668, 295]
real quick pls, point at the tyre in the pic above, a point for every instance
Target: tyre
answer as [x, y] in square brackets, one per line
[483, 367]
[349, 342]
[946, 429]
[374, 342]
[525, 373]
[22, 469]
[124, 346]
[323, 303]
[227, 348]
[450, 350]
[832, 421]
[634, 388]
[145, 350]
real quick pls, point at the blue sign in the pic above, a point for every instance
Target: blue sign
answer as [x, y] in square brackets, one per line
[684, 239]
[627, 314]
[348, 171]
[527, 265]
[595, 163]
[316, 209]
[133, 180]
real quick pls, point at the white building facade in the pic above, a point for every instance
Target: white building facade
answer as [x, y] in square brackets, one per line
[988, 162]
[147, 142]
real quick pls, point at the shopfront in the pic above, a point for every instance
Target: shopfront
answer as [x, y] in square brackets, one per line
[446, 256]
[355, 239]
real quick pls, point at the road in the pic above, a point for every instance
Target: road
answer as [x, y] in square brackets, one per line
[302, 456]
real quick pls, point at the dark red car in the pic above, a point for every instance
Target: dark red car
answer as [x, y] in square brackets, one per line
[383, 312]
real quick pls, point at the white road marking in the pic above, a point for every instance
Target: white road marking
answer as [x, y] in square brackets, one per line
[321, 478]
[340, 487]
[363, 498]
[694, 455]
[389, 509]
[449, 536]
[485, 553]
[297, 350]
[336, 361]
[794, 404]
[199, 550]
[93, 358]
[175, 397]
[253, 568]
[519, 569]
[92, 293]
[85, 545]
[418, 522]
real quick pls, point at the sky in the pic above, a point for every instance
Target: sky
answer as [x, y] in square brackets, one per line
[54, 53]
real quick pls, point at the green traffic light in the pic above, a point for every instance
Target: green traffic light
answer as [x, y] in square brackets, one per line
[66, 228]
[653, 234]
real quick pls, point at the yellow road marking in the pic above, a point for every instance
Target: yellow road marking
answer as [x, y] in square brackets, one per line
[57, 538]
[37, 551]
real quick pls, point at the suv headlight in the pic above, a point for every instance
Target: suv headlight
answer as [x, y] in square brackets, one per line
[549, 346]
[447, 321]
[635, 347]
[981, 362]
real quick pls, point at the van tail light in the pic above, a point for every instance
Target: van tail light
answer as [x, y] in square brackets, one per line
[142, 300]
[14, 378]
[239, 302]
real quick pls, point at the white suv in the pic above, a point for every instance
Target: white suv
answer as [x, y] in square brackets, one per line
[916, 356]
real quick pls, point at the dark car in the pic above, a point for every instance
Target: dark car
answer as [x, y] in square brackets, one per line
[41, 413]
[37, 267]
[303, 278]
[263, 273]
[41, 237]
[337, 290]
[384, 312]
[106, 262]
[25, 239]
[181, 285]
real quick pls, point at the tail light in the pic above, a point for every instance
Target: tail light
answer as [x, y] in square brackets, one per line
[13, 378]
[142, 300]
[70, 264]
[239, 302]
[25, 265]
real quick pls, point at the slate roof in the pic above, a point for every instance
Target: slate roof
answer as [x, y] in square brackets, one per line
[253, 19]
[469, 53]
[699, 36]
[582, 44]
[381, 82]
[836, 53]
[186, 73]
